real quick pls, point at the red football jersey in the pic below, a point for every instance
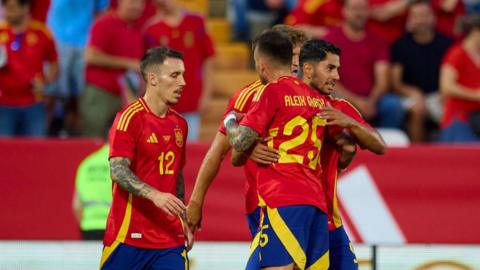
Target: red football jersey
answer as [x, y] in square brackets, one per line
[459, 109]
[242, 102]
[26, 55]
[114, 36]
[317, 13]
[286, 111]
[329, 161]
[191, 38]
[156, 147]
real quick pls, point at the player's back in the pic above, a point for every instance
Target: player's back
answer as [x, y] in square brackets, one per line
[286, 110]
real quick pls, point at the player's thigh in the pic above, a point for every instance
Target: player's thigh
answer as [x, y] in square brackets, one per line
[171, 259]
[318, 243]
[342, 256]
[124, 257]
[284, 236]
[253, 221]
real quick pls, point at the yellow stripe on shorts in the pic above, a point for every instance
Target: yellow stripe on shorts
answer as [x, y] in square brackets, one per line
[287, 238]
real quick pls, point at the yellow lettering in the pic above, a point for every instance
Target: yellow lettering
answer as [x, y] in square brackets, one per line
[288, 101]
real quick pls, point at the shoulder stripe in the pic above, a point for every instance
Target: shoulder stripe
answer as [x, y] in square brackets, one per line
[252, 91]
[241, 97]
[125, 114]
[38, 25]
[122, 117]
[144, 105]
[259, 93]
[129, 117]
[349, 104]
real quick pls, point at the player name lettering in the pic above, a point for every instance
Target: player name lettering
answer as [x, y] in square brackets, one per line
[293, 101]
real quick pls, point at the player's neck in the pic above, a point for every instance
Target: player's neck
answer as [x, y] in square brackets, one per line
[156, 106]
[278, 73]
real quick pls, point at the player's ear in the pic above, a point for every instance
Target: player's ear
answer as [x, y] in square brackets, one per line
[307, 70]
[152, 78]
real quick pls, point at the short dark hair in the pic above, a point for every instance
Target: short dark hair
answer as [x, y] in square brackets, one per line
[298, 36]
[156, 56]
[470, 23]
[275, 45]
[419, 2]
[315, 50]
[20, 2]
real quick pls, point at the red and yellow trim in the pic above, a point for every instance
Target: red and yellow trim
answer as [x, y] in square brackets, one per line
[128, 114]
[245, 95]
[337, 220]
[322, 263]
[259, 93]
[287, 238]
[122, 233]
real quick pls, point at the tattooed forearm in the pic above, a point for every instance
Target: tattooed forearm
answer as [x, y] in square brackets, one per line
[241, 138]
[124, 177]
[239, 158]
[181, 187]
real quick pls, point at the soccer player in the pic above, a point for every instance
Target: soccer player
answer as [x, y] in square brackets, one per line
[240, 102]
[147, 140]
[293, 230]
[320, 63]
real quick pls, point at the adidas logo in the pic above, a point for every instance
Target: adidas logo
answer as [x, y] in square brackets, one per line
[152, 138]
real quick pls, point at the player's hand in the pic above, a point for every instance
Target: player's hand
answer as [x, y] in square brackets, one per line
[167, 202]
[346, 143]
[194, 216]
[190, 238]
[262, 154]
[187, 232]
[336, 117]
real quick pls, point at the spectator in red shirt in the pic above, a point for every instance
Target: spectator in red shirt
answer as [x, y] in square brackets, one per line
[113, 53]
[185, 32]
[25, 47]
[365, 67]
[388, 18]
[448, 13]
[148, 12]
[460, 85]
[314, 17]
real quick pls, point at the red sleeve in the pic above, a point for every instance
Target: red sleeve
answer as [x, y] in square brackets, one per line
[230, 107]
[350, 110]
[297, 16]
[454, 58]
[100, 34]
[122, 138]
[381, 51]
[264, 107]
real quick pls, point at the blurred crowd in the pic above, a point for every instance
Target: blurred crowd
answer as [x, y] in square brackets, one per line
[67, 66]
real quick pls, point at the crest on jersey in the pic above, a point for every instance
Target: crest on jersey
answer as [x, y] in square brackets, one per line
[188, 39]
[178, 137]
[31, 39]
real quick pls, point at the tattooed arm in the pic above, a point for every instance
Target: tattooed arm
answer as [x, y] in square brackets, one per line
[241, 138]
[125, 178]
[181, 186]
